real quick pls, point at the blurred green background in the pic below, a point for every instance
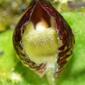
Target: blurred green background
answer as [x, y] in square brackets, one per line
[12, 72]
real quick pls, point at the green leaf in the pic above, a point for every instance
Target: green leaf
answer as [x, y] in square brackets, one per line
[7, 54]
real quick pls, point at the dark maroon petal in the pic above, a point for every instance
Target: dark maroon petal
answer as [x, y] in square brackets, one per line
[41, 9]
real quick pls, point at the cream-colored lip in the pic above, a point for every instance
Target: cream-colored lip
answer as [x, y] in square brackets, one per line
[41, 26]
[40, 44]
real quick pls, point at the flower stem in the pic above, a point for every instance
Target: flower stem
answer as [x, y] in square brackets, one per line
[50, 77]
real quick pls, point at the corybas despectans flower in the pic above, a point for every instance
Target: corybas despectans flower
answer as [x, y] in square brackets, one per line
[42, 38]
